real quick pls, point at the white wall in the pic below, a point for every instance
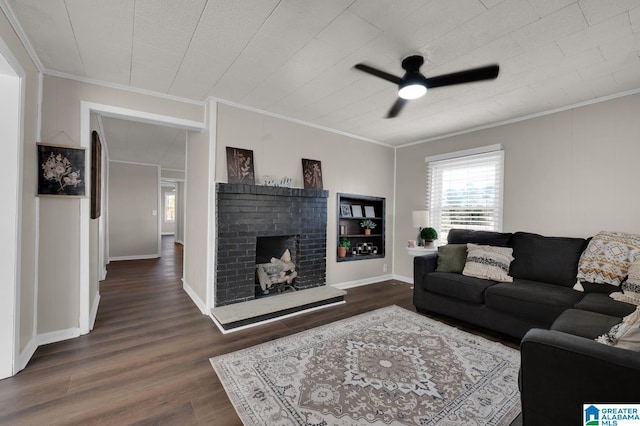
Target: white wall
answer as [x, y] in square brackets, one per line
[349, 165]
[27, 287]
[571, 173]
[196, 223]
[133, 210]
[59, 220]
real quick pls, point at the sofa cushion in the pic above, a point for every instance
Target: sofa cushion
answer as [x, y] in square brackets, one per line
[626, 334]
[584, 323]
[488, 238]
[451, 258]
[531, 299]
[552, 260]
[457, 286]
[604, 304]
[596, 288]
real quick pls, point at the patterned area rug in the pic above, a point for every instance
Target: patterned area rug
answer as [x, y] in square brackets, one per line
[389, 366]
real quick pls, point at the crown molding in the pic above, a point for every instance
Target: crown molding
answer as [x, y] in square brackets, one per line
[295, 120]
[11, 17]
[121, 87]
[526, 117]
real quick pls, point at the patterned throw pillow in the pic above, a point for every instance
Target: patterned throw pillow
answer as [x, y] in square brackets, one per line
[607, 258]
[488, 262]
[625, 335]
[631, 287]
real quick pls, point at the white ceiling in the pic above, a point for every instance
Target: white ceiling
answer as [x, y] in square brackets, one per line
[145, 143]
[294, 57]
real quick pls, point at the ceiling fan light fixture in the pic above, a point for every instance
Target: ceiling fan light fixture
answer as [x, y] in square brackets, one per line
[412, 90]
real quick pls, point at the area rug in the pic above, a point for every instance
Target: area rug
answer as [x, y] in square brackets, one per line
[388, 366]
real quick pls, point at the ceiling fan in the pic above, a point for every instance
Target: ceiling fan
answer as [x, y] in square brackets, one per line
[414, 85]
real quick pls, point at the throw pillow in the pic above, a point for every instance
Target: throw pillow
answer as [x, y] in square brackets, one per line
[451, 258]
[607, 258]
[631, 287]
[625, 335]
[488, 262]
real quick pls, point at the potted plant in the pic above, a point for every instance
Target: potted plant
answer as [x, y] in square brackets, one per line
[428, 235]
[343, 246]
[368, 225]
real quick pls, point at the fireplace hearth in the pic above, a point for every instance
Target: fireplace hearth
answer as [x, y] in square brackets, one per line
[256, 223]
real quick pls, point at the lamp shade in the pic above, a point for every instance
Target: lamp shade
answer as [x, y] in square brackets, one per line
[420, 218]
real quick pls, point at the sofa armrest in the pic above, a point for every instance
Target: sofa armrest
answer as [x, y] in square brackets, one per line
[422, 265]
[560, 372]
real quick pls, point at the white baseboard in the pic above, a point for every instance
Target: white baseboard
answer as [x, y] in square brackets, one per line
[194, 296]
[94, 311]
[366, 281]
[57, 336]
[135, 257]
[168, 233]
[402, 278]
[25, 356]
[104, 274]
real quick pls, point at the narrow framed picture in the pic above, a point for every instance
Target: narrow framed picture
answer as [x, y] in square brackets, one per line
[96, 175]
[345, 210]
[356, 211]
[240, 166]
[312, 174]
[61, 170]
[369, 211]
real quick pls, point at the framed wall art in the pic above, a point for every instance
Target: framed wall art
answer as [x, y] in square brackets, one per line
[240, 166]
[312, 174]
[96, 175]
[356, 211]
[61, 170]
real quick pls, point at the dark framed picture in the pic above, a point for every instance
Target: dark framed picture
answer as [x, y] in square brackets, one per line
[345, 210]
[96, 175]
[240, 166]
[312, 174]
[61, 170]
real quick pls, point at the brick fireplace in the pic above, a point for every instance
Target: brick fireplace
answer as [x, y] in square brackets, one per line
[246, 213]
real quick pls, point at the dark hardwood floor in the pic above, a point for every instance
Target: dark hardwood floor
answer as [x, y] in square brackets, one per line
[147, 359]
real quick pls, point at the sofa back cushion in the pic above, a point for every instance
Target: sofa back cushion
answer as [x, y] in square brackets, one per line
[485, 238]
[552, 260]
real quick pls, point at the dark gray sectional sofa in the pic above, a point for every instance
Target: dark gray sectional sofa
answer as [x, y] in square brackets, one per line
[562, 366]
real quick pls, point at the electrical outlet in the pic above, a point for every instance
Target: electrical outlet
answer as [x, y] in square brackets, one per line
[384, 268]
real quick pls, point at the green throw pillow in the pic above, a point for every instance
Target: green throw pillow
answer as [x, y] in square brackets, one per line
[451, 258]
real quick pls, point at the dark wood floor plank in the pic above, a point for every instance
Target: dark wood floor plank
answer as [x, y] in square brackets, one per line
[147, 359]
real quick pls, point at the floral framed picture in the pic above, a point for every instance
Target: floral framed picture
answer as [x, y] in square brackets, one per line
[312, 174]
[61, 170]
[240, 166]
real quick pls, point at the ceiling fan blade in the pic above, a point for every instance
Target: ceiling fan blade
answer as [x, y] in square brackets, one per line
[397, 106]
[378, 73]
[475, 74]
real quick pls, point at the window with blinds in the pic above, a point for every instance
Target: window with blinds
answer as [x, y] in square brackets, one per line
[464, 190]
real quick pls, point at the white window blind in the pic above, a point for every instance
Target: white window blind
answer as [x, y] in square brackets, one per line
[465, 191]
